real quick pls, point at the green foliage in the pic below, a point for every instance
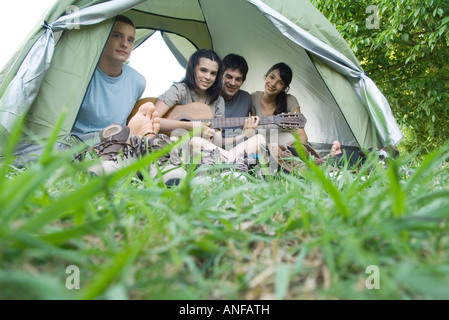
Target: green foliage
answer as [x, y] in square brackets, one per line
[307, 235]
[406, 56]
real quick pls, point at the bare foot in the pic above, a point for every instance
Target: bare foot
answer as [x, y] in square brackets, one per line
[336, 148]
[145, 122]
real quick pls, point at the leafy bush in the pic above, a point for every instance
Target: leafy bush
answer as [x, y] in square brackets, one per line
[406, 56]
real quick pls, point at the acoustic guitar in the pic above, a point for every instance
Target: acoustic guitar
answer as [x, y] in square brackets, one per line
[197, 111]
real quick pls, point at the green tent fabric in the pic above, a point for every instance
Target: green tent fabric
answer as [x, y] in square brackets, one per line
[50, 72]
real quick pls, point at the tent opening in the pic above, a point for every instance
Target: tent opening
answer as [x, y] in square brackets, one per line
[154, 60]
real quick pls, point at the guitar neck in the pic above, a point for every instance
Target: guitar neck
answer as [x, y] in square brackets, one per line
[197, 111]
[217, 123]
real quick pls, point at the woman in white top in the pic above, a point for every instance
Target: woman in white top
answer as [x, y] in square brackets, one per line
[275, 100]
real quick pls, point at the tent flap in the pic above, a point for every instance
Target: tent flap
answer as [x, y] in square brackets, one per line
[23, 89]
[338, 99]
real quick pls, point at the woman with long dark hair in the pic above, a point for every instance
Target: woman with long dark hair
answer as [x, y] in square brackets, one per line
[275, 100]
[201, 83]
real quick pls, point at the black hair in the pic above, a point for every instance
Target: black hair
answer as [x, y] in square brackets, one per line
[286, 75]
[235, 62]
[124, 20]
[215, 90]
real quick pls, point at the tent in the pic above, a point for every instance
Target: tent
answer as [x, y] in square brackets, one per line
[51, 70]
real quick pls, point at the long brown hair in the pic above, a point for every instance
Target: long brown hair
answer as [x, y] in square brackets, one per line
[215, 90]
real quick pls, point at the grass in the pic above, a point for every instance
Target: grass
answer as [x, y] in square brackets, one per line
[311, 235]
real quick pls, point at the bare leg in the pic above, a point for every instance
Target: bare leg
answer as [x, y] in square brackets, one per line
[252, 145]
[146, 122]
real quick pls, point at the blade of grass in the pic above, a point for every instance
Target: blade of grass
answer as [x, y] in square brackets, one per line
[69, 202]
[281, 281]
[429, 163]
[91, 227]
[317, 175]
[397, 195]
[271, 206]
[112, 270]
[10, 145]
[16, 192]
[40, 287]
